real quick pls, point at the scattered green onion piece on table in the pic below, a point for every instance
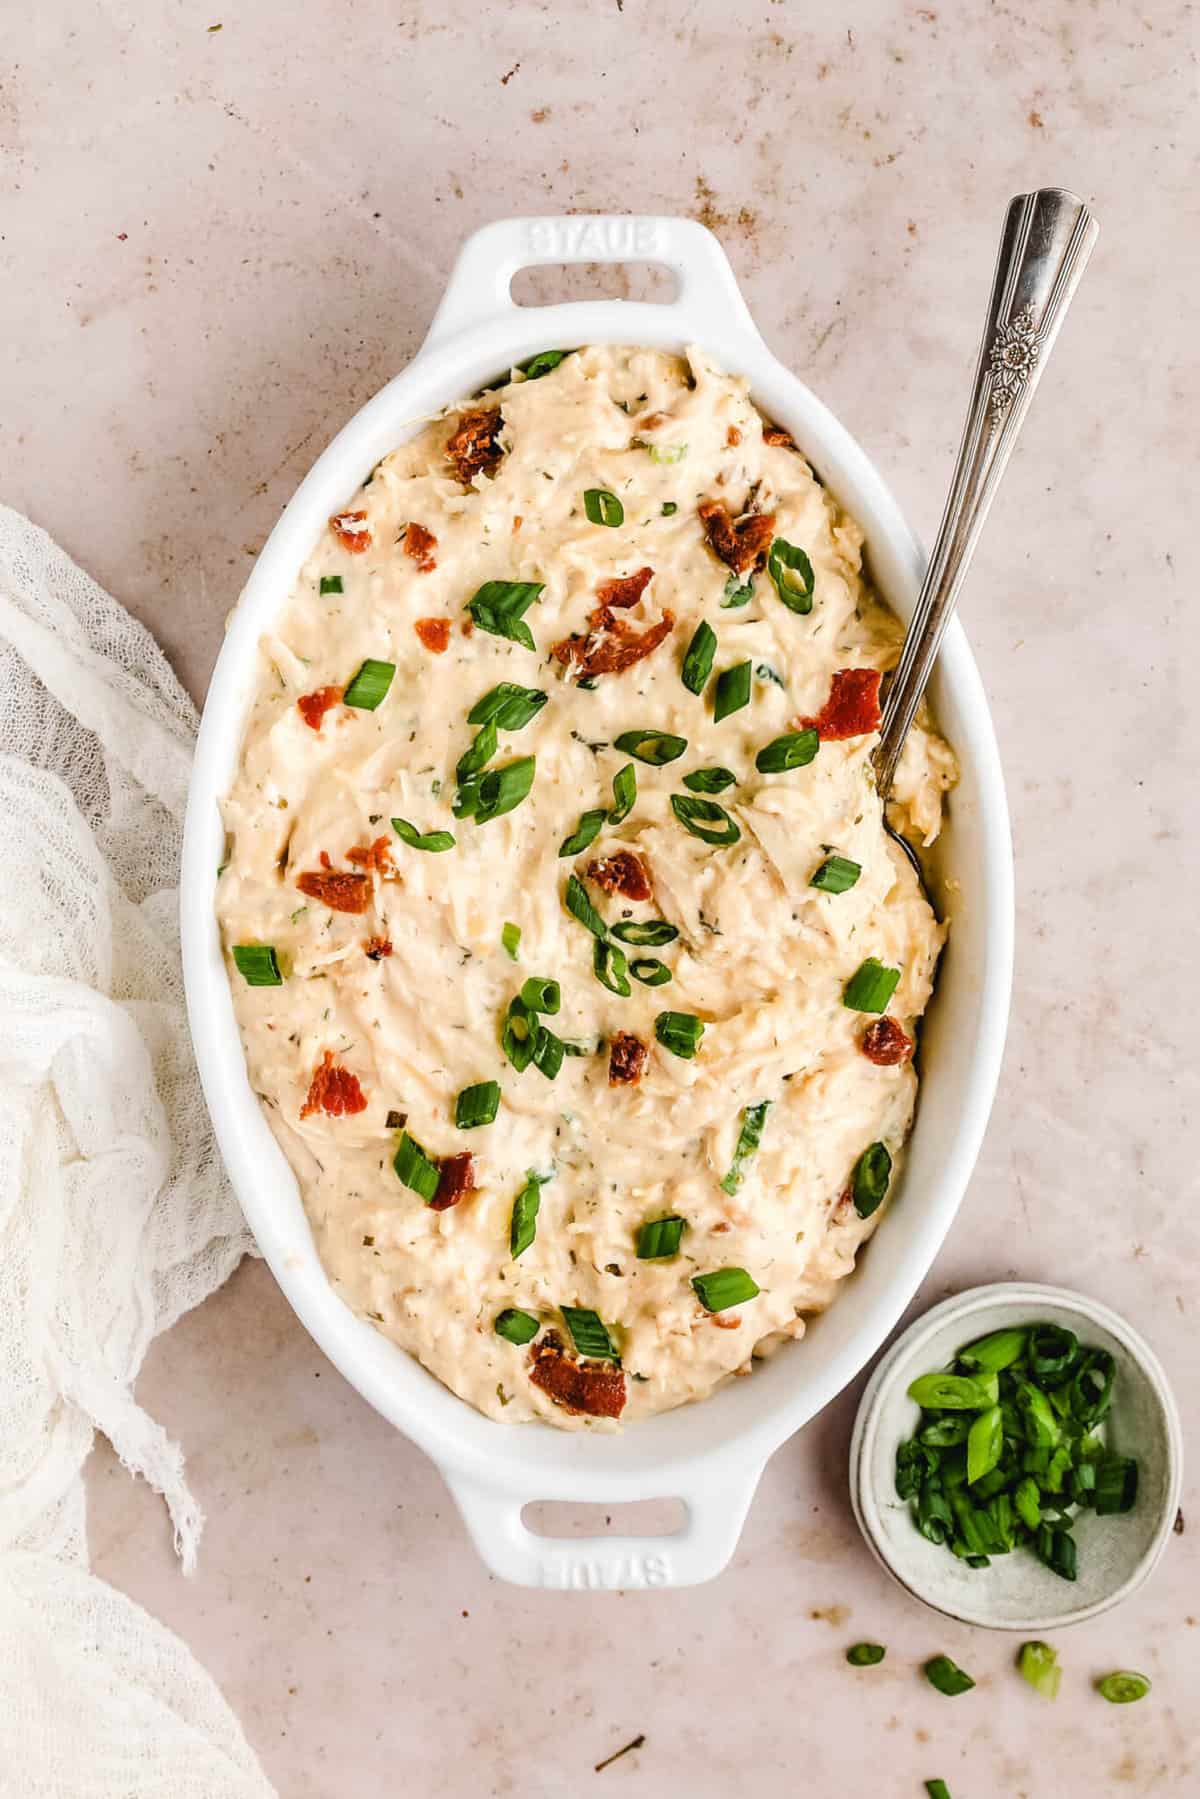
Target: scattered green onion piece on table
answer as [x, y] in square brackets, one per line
[749, 1137]
[649, 933]
[548, 1052]
[498, 607]
[516, 1326]
[649, 971]
[705, 819]
[541, 994]
[541, 364]
[589, 1334]
[586, 832]
[732, 691]
[257, 964]
[510, 937]
[434, 842]
[610, 968]
[518, 1035]
[723, 1288]
[1038, 1664]
[508, 706]
[993, 1353]
[522, 1225]
[954, 1392]
[1123, 1687]
[679, 1032]
[871, 986]
[865, 1655]
[795, 749]
[659, 1237]
[869, 1179]
[792, 573]
[710, 780]
[369, 685]
[698, 661]
[624, 794]
[652, 747]
[947, 1677]
[580, 906]
[837, 874]
[603, 507]
[331, 584]
[477, 1105]
[737, 593]
[984, 1443]
[415, 1169]
[937, 1789]
[502, 789]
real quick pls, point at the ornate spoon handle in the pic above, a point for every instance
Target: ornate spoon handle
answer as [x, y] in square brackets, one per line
[1048, 237]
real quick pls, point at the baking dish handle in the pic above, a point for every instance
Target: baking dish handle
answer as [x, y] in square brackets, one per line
[716, 1505]
[708, 302]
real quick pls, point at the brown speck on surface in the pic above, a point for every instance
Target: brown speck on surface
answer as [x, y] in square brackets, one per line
[1179, 1526]
[539, 115]
[637, 1741]
[505, 79]
[911, 227]
[830, 1614]
[1035, 120]
[122, 237]
[211, 29]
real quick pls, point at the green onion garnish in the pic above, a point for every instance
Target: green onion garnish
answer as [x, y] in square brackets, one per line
[724, 1288]
[257, 965]
[610, 968]
[1027, 1502]
[548, 1052]
[937, 1789]
[665, 453]
[795, 749]
[984, 1443]
[510, 937]
[585, 832]
[541, 994]
[792, 573]
[1123, 1688]
[1053, 1351]
[869, 1181]
[871, 987]
[1116, 1485]
[992, 1353]
[624, 794]
[502, 789]
[1038, 1664]
[477, 1105]
[508, 706]
[697, 663]
[954, 1392]
[645, 932]
[749, 1138]
[480, 752]
[705, 819]
[522, 1227]
[654, 747]
[1057, 1549]
[331, 584]
[679, 1032]
[947, 1677]
[466, 800]
[837, 874]
[710, 780]
[602, 507]
[649, 971]
[659, 1237]
[865, 1655]
[369, 685]
[433, 841]
[541, 364]
[416, 1169]
[732, 691]
[499, 607]
[669, 507]
[518, 1034]
[589, 1334]
[736, 593]
[516, 1326]
[580, 906]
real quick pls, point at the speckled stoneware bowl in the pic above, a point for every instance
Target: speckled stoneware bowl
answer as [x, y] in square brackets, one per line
[1116, 1554]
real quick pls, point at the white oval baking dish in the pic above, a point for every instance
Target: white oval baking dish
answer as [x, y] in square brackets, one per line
[709, 1455]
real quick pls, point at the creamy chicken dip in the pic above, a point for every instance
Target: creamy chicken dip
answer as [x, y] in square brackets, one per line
[575, 972]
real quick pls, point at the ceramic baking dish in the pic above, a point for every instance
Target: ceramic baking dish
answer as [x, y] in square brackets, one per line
[709, 1455]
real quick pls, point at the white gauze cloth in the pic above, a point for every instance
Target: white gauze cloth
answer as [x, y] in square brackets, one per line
[115, 1214]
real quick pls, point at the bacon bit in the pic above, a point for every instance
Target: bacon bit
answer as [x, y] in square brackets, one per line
[723, 1324]
[341, 892]
[627, 590]
[733, 437]
[435, 634]
[333, 1090]
[323, 859]
[377, 948]
[420, 545]
[518, 521]
[852, 709]
[313, 706]
[472, 448]
[741, 544]
[351, 531]
[651, 422]
[626, 1059]
[611, 645]
[720, 1227]
[844, 1203]
[596, 1388]
[376, 856]
[467, 627]
[778, 437]
[886, 1043]
[622, 872]
[456, 1178]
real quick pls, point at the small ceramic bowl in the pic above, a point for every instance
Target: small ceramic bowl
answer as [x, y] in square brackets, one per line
[1017, 1592]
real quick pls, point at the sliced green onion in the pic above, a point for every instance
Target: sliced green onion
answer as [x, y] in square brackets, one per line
[499, 607]
[665, 453]
[580, 906]
[516, 1326]
[795, 749]
[865, 1655]
[723, 1288]
[869, 1181]
[541, 994]
[1027, 1502]
[792, 573]
[654, 747]
[416, 1169]
[837, 874]
[541, 364]
[548, 1052]
[602, 507]
[522, 1227]
[589, 1334]
[697, 663]
[649, 971]
[749, 1137]
[659, 1237]
[954, 1392]
[510, 937]
[1038, 1664]
[669, 508]
[331, 584]
[993, 1353]
[369, 685]
[679, 1032]
[466, 800]
[871, 986]
[611, 969]
[645, 932]
[984, 1443]
[257, 965]
[935, 1520]
[945, 1433]
[732, 691]
[736, 593]
[1116, 1485]
[502, 789]
[518, 1035]
[1089, 1393]
[914, 1463]
[710, 780]
[1057, 1549]
[432, 841]
[477, 1105]
[624, 794]
[1040, 1425]
[1053, 1351]
[765, 672]
[585, 832]
[508, 706]
[480, 752]
[1123, 1687]
[705, 819]
[947, 1677]
[937, 1789]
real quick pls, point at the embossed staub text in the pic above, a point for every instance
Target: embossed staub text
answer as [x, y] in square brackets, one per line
[604, 1573]
[608, 238]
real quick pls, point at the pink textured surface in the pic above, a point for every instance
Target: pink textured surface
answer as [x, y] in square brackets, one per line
[219, 244]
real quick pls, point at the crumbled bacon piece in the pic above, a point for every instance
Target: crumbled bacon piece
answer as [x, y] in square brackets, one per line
[733, 437]
[742, 543]
[352, 531]
[456, 1177]
[626, 1059]
[611, 645]
[376, 856]
[472, 448]
[886, 1043]
[337, 889]
[376, 948]
[518, 521]
[596, 1388]
[723, 1324]
[434, 634]
[852, 709]
[651, 421]
[420, 545]
[626, 590]
[313, 706]
[777, 436]
[333, 1090]
[622, 872]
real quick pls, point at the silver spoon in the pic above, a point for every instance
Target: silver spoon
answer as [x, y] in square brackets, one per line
[1047, 239]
